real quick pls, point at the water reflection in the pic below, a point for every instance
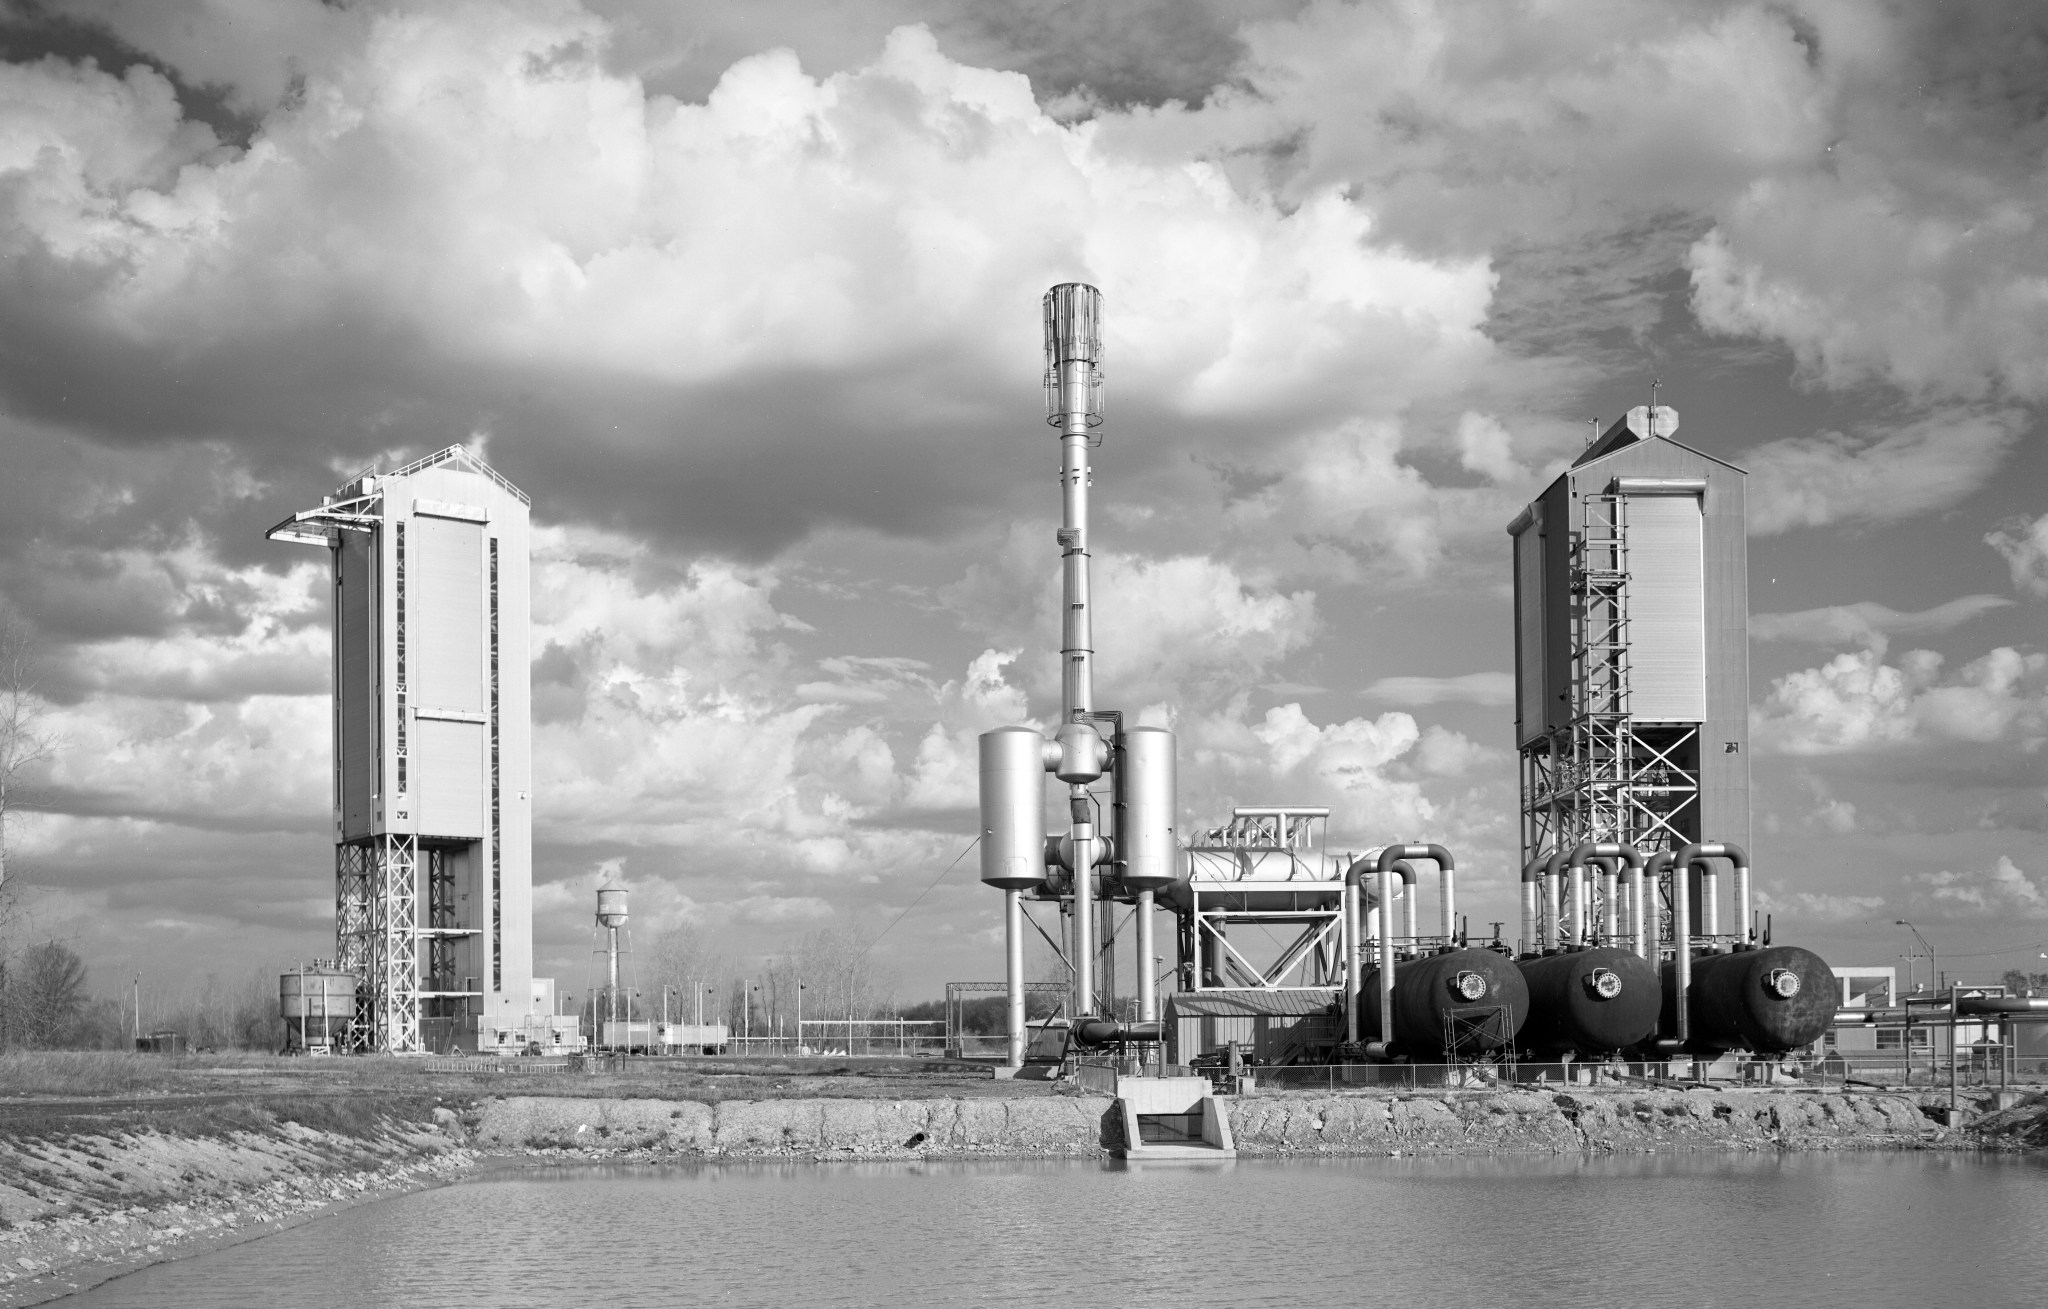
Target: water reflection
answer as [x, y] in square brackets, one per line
[1674, 1229]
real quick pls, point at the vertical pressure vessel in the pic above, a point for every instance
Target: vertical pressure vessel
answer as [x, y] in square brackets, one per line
[1146, 843]
[1013, 808]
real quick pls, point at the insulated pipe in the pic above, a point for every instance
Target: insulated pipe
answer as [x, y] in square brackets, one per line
[1532, 911]
[1386, 872]
[1447, 870]
[1635, 909]
[1553, 926]
[1649, 925]
[1352, 951]
[1013, 975]
[1701, 853]
[1409, 928]
[1148, 984]
[1681, 962]
[1610, 876]
[1607, 850]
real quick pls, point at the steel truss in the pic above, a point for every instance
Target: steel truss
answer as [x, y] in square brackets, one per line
[1605, 776]
[1263, 857]
[377, 938]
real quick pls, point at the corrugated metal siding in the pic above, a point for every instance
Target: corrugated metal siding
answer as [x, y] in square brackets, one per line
[445, 644]
[1563, 517]
[1531, 717]
[1666, 609]
[1250, 1002]
[355, 717]
[450, 785]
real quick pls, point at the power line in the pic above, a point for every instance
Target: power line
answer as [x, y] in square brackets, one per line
[920, 896]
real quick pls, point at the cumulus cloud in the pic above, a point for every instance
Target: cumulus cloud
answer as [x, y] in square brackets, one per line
[2004, 889]
[1856, 701]
[1876, 475]
[1868, 621]
[470, 185]
[2025, 547]
[747, 297]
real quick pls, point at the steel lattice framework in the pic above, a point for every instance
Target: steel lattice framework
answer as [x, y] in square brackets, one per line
[1606, 777]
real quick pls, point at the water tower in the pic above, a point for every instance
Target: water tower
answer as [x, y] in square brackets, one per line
[611, 916]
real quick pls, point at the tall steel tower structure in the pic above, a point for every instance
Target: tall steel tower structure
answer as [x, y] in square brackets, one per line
[1132, 855]
[432, 751]
[1632, 649]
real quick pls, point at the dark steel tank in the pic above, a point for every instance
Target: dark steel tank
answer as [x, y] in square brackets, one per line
[1459, 1004]
[1766, 1001]
[1589, 1002]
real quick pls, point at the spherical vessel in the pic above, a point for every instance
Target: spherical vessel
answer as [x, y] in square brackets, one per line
[1589, 1002]
[317, 1004]
[1455, 1005]
[1765, 1001]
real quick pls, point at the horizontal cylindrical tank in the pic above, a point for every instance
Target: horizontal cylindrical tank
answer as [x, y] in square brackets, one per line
[1589, 1002]
[317, 1004]
[1013, 808]
[1146, 842]
[611, 906]
[1455, 1005]
[1765, 1001]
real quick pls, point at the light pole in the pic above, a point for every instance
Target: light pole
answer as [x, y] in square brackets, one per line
[1933, 960]
[799, 1015]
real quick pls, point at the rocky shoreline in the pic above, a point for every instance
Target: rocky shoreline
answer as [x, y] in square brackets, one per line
[84, 1203]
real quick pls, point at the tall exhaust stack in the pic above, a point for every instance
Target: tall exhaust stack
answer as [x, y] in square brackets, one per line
[1014, 848]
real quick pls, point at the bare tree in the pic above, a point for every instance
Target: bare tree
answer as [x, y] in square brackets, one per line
[45, 995]
[23, 743]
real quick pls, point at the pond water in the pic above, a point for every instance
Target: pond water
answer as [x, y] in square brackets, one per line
[1693, 1229]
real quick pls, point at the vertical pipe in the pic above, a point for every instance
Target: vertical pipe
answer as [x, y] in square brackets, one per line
[1681, 938]
[1651, 939]
[1530, 916]
[1575, 914]
[1610, 925]
[1148, 984]
[1710, 900]
[1386, 954]
[1353, 954]
[1553, 927]
[1084, 920]
[1013, 978]
[1409, 928]
[1447, 881]
[1073, 345]
[1745, 914]
[1635, 908]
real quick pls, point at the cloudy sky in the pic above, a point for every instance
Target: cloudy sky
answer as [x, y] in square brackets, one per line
[746, 297]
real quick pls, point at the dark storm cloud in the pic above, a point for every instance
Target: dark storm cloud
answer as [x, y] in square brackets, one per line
[1112, 52]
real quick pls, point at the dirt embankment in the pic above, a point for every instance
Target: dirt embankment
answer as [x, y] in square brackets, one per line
[84, 1198]
[1082, 1126]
